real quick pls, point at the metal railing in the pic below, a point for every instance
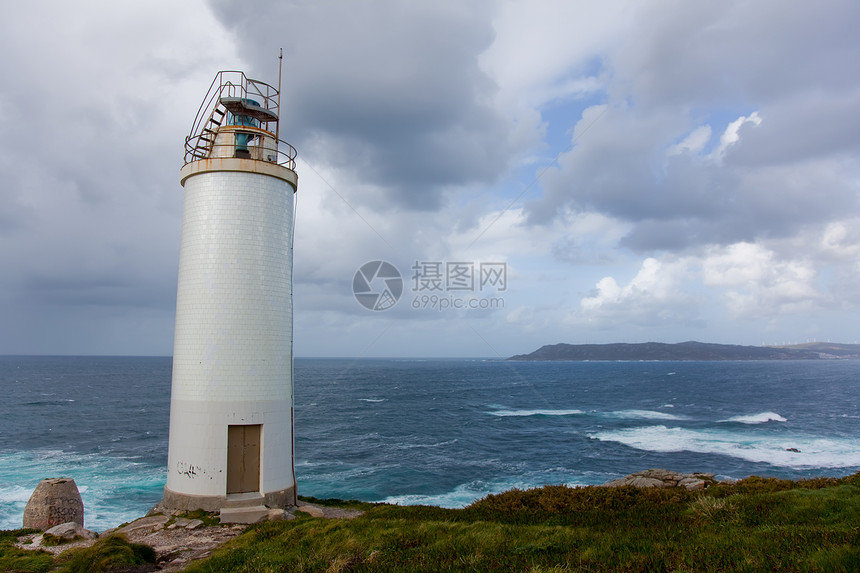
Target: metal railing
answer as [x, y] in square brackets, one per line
[284, 157]
[200, 142]
[232, 83]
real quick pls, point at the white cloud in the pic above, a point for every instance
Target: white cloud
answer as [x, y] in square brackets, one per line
[757, 284]
[692, 143]
[731, 135]
[656, 295]
[545, 51]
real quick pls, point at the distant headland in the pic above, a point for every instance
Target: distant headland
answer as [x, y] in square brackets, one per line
[691, 350]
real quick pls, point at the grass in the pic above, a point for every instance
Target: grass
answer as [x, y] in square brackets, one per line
[209, 518]
[113, 552]
[14, 559]
[757, 524]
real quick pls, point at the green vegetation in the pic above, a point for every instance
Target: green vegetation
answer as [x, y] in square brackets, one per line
[757, 524]
[110, 553]
[49, 540]
[345, 504]
[14, 559]
[208, 518]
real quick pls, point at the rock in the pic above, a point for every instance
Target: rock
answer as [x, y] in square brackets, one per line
[692, 484]
[62, 534]
[246, 515]
[70, 531]
[636, 481]
[151, 523]
[194, 524]
[54, 501]
[312, 510]
[664, 478]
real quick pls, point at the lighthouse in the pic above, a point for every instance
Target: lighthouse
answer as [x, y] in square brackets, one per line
[231, 404]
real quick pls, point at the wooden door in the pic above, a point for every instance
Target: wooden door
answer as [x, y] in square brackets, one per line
[243, 458]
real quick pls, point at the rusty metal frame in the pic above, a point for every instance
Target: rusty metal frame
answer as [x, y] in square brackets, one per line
[235, 84]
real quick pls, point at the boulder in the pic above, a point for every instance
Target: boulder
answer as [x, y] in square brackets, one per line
[55, 501]
[664, 478]
[692, 483]
[637, 481]
[70, 531]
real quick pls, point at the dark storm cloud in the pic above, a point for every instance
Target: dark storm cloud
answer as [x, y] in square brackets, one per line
[94, 111]
[388, 90]
[805, 127]
[738, 52]
[790, 160]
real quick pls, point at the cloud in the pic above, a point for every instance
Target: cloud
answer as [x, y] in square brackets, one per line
[549, 51]
[654, 297]
[390, 91]
[610, 153]
[736, 52]
[96, 107]
[731, 136]
[759, 285]
[693, 143]
[648, 157]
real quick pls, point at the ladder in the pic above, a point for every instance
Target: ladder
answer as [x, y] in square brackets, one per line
[206, 139]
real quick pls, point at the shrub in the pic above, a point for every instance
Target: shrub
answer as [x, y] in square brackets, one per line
[113, 551]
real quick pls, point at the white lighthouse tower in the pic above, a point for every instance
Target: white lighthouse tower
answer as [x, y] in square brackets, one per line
[231, 406]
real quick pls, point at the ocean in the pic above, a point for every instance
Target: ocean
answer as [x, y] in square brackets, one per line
[437, 432]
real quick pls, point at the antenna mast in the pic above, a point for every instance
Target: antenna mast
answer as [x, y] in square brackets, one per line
[278, 125]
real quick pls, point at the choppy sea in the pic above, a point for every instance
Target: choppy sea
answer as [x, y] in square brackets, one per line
[439, 432]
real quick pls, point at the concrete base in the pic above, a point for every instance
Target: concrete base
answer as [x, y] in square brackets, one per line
[283, 499]
[186, 502]
[252, 514]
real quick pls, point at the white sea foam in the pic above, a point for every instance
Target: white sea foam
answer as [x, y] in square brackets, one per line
[100, 480]
[462, 496]
[536, 412]
[433, 445]
[372, 400]
[799, 451]
[467, 493]
[15, 493]
[760, 418]
[643, 415]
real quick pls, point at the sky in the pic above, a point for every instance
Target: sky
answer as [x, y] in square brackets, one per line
[535, 171]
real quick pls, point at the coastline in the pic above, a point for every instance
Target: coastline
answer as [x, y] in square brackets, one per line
[180, 541]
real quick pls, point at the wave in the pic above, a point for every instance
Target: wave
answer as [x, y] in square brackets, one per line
[798, 451]
[467, 493]
[372, 400]
[619, 414]
[760, 418]
[644, 415]
[434, 445]
[460, 497]
[536, 412]
[15, 493]
[114, 490]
